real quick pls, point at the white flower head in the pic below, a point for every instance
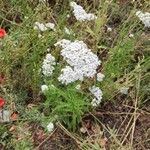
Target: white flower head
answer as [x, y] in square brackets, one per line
[44, 88]
[43, 27]
[50, 127]
[100, 77]
[48, 65]
[83, 63]
[80, 14]
[144, 17]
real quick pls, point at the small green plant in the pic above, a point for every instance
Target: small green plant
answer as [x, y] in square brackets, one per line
[67, 104]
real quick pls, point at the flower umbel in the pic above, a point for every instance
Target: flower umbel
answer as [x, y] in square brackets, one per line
[80, 14]
[83, 63]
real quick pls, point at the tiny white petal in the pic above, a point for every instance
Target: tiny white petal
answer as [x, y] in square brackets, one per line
[68, 15]
[48, 50]
[44, 88]
[78, 87]
[67, 31]
[100, 77]
[50, 127]
[109, 29]
[131, 35]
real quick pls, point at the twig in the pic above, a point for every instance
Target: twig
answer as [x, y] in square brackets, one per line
[45, 139]
[135, 108]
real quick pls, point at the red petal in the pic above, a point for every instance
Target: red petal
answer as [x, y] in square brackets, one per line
[2, 33]
[2, 102]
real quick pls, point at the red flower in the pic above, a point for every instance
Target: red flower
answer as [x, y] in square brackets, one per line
[2, 33]
[2, 102]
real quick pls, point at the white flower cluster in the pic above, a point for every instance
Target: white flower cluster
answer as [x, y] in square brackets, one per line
[98, 95]
[80, 14]
[43, 27]
[83, 63]
[144, 17]
[48, 65]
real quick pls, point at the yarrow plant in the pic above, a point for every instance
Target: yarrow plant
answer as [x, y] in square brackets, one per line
[67, 99]
[81, 63]
[144, 17]
[80, 14]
